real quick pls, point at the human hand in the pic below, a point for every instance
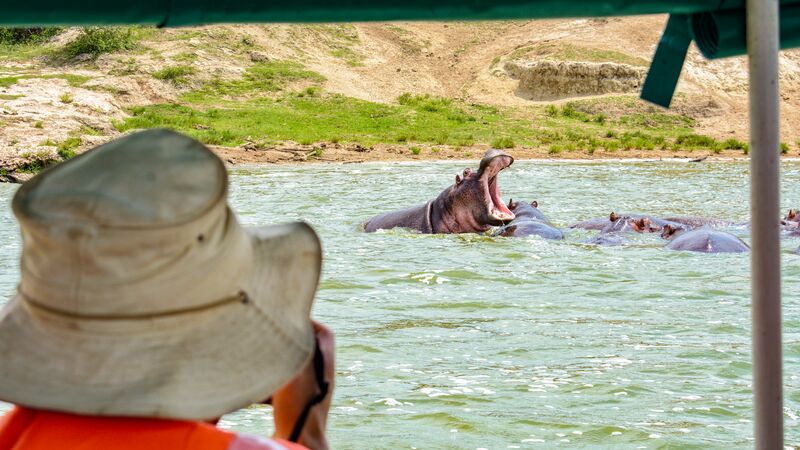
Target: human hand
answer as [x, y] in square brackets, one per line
[290, 400]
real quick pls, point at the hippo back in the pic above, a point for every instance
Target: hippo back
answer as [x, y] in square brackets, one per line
[596, 224]
[697, 222]
[608, 240]
[707, 240]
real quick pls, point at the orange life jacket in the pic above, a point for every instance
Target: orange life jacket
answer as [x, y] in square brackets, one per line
[31, 429]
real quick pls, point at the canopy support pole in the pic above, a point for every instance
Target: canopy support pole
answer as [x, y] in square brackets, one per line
[762, 45]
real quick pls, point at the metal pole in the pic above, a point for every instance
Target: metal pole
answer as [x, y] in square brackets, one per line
[762, 45]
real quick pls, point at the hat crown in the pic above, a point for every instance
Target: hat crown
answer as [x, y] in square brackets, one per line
[155, 178]
[121, 229]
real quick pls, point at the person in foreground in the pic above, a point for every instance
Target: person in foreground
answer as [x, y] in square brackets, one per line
[145, 311]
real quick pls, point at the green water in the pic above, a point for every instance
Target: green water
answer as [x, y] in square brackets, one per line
[465, 341]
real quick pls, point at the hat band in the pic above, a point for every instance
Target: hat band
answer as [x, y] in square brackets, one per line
[240, 297]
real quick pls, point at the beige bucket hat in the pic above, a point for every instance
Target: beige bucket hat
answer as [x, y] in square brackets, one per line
[140, 293]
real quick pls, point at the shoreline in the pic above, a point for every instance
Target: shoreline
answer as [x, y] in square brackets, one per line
[290, 153]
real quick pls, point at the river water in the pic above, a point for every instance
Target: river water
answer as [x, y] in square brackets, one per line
[466, 341]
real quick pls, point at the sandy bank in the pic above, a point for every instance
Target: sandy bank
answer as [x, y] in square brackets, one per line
[292, 153]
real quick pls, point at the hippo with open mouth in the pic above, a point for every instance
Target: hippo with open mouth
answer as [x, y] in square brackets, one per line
[704, 240]
[471, 205]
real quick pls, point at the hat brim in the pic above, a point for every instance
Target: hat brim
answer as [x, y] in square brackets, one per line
[195, 366]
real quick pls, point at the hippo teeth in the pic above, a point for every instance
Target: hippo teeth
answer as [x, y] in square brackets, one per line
[497, 207]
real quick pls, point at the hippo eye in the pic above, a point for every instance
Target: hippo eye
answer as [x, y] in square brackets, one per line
[467, 172]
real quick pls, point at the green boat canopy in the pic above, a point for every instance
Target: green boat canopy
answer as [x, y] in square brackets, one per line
[717, 26]
[197, 12]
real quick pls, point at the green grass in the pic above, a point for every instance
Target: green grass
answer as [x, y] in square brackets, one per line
[503, 142]
[416, 150]
[571, 52]
[269, 77]
[262, 106]
[86, 130]
[72, 80]
[10, 96]
[8, 81]
[66, 149]
[66, 97]
[348, 55]
[187, 57]
[694, 141]
[175, 74]
[35, 162]
[422, 119]
[24, 44]
[27, 36]
[733, 144]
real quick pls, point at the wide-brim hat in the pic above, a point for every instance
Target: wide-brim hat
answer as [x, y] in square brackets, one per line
[142, 295]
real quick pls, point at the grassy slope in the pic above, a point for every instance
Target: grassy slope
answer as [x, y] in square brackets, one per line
[262, 107]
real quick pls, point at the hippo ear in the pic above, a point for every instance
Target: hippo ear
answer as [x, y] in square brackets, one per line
[458, 180]
[511, 203]
[613, 216]
[535, 204]
[792, 214]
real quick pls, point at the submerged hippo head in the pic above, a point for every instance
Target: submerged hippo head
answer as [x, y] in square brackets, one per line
[637, 224]
[473, 203]
[669, 231]
[792, 218]
[527, 211]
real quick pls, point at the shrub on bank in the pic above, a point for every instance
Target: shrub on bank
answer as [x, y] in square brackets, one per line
[733, 144]
[26, 36]
[98, 40]
[693, 141]
[503, 142]
[66, 149]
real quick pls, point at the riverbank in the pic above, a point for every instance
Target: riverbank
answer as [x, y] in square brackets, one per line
[292, 153]
[17, 169]
[350, 93]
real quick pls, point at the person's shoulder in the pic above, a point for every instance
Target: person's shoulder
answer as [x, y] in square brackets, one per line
[250, 442]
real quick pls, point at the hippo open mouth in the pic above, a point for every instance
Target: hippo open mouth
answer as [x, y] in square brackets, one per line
[491, 165]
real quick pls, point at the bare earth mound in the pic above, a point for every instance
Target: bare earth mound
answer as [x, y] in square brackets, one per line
[551, 80]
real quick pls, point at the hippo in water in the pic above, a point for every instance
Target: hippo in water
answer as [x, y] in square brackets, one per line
[791, 219]
[471, 205]
[697, 222]
[612, 233]
[791, 222]
[704, 239]
[627, 222]
[529, 221]
[635, 223]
